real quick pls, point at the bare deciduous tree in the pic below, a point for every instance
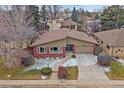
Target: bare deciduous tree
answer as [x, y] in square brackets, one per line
[53, 11]
[16, 27]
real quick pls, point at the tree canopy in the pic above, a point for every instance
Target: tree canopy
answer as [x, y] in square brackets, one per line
[112, 17]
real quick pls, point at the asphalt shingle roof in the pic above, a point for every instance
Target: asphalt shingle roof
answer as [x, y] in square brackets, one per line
[112, 37]
[61, 34]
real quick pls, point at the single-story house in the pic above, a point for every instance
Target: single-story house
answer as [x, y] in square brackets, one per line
[59, 42]
[112, 41]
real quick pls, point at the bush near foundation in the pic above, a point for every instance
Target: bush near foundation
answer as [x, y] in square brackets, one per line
[27, 60]
[104, 59]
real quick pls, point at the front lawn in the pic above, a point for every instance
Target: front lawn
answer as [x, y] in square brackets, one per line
[72, 73]
[17, 73]
[29, 75]
[117, 71]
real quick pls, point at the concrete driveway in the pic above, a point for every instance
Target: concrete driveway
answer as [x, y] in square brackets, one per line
[88, 69]
[86, 59]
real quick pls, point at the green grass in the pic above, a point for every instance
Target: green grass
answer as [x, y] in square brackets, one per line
[17, 73]
[29, 75]
[117, 71]
[72, 73]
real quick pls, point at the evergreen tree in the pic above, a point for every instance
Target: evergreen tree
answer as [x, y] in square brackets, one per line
[112, 17]
[44, 13]
[74, 15]
[36, 15]
[97, 16]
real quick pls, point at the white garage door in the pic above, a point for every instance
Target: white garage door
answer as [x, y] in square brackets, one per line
[80, 49]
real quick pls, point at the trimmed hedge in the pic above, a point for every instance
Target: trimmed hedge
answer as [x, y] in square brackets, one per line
[46, 70]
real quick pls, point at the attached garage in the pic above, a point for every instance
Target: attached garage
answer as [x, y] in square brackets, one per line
[81, 46]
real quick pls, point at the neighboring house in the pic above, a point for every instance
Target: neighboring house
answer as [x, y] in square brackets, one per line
[59, 42]
[62, 23]
[112, 41]
[68, 23]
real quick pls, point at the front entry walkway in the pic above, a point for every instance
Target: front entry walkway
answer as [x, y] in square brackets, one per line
[88, 69]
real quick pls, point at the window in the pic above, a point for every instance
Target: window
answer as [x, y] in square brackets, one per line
[42, 50]
[55, 50]
[69, 47]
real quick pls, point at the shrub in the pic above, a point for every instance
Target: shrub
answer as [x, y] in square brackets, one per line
[73, 56]
[104, 59]
[46, 70]
[98, 50]
[27, 61]
[62, 73]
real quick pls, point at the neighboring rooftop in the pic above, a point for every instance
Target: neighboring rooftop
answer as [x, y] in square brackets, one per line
[68, 22]
[113, 37]
[61, 34]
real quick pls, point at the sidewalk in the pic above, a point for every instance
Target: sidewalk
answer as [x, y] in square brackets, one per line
[61, 83]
